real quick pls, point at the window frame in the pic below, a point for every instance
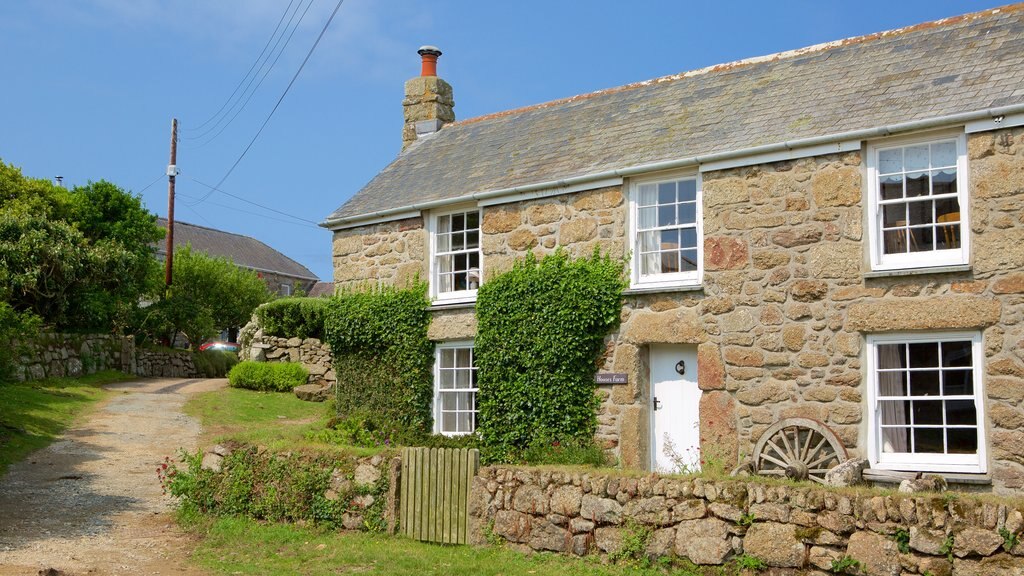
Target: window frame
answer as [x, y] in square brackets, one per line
[436, 408]
[285, 289]
[924, 259]
[665, 280]
[953, 463]
[455, 296]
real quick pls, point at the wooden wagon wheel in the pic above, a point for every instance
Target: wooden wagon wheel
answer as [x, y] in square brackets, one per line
[798, 448]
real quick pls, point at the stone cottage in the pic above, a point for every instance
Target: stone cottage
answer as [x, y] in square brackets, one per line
[834, 233]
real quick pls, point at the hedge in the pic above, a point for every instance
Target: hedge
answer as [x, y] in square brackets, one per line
[214, 363]
[268, 376]
[383, 359]
[293, 317]
[540, 336]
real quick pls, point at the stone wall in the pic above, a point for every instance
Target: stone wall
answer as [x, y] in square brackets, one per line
[780, 320]
[708, 522]
[352, 480]
[313, 354]
[391, 253]
[60, 355]
[164, 364]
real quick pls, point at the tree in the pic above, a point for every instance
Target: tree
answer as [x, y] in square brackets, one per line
[208, 294]
[80, 259]
[123, 235]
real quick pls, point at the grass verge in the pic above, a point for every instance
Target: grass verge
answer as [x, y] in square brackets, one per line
[241, 546]
[272, 419]
[33, 414]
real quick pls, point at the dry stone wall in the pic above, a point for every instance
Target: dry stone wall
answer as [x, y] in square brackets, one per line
[58, 355]
[797, 528]
[314, 355]
[787, 298]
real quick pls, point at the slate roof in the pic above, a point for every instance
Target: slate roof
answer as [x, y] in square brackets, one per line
[962, 64]
[321, 289]
[242, 250]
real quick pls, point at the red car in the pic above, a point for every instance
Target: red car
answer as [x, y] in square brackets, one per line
[222, 346]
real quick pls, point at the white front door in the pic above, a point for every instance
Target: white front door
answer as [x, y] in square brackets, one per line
[675, 409]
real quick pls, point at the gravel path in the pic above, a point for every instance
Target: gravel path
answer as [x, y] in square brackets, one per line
[90, 503]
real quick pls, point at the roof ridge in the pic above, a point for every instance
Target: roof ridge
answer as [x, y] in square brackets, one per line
[786, 54]
[212, 229]
[252, 238]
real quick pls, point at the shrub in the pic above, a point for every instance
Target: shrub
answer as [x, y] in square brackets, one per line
[268, 376]
[571, 452]
[277, 487]
[383, 359]
[541, 331]
[214, 363]
[293, 317]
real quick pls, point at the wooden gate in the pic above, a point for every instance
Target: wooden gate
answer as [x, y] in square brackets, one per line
[435, 493]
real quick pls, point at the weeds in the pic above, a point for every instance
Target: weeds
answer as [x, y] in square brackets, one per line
[947, 547]
[747, 562]
[1010, 539]
[902, 538]
[844, 565]
[634, 544]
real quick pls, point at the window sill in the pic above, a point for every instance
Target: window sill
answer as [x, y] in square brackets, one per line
[640, 290]
[955, 268]
[457, 305]
[895, 477]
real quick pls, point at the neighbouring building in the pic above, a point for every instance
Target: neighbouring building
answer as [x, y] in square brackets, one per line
[283, 275]
[834, 233]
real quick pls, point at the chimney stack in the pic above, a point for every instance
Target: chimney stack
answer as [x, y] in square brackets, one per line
[428, 103]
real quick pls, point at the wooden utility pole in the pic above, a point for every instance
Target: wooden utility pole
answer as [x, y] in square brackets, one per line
[172, 171]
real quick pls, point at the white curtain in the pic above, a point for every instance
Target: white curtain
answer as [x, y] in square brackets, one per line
[893, 413]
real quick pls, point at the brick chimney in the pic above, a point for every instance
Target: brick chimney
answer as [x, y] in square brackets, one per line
[428, 100]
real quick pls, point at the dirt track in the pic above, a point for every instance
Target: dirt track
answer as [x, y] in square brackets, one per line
[91, 503]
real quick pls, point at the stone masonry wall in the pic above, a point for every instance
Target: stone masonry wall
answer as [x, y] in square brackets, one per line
[786, 301]
[314, 355]
[796, 528]
[391, 253]
[60, 355]
[162, 364]
[73, 355]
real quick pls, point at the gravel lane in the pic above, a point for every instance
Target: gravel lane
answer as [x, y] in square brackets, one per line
[91, 503]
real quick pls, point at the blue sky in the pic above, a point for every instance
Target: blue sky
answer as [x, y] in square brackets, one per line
[91, 85]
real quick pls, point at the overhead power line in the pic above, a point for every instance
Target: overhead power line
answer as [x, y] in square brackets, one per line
[247, 201]
[252, 92]
[155, 180]
[278, 104]
[251, 68]
[250, 212]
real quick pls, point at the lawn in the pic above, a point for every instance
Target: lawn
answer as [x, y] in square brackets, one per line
[272, 419]
[33, 414]
[241, 546]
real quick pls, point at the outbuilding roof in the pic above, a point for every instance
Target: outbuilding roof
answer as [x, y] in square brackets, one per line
[244, 251]
[963, 64]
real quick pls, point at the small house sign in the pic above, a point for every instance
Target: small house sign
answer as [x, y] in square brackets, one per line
[611, 378]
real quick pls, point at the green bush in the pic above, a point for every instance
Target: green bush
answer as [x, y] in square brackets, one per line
[383, 359]
[573, 452]
[267, 376]
[214, 363]
[15, 327]
[540, 335]
[293, 317]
